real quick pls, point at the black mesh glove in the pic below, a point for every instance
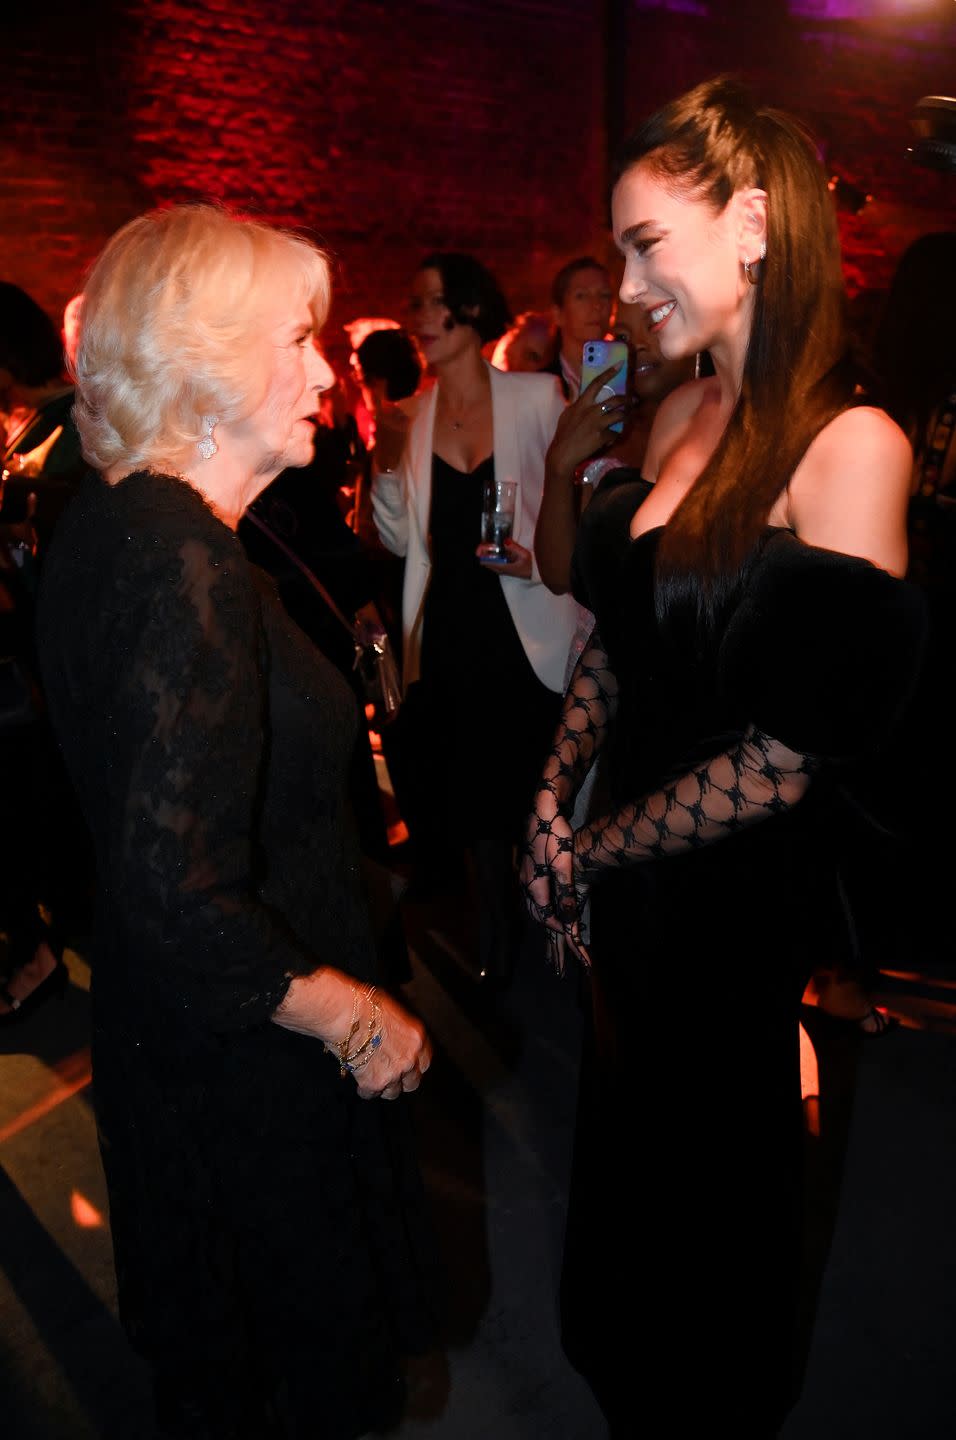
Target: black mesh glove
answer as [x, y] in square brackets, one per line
[547, 868]
[756, 779]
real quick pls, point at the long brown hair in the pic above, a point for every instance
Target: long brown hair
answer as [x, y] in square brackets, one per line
[711, 143]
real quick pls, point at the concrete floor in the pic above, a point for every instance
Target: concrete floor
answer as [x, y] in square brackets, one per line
[495, 1120]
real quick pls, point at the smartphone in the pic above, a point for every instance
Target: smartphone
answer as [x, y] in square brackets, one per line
[599, 355]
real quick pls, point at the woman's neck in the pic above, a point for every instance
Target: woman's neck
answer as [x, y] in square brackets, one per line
[462, 381]
[225, 490]
[729, 356]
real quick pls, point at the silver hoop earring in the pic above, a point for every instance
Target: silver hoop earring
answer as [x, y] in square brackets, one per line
[697, 366]
[750, 266]
[207, 446]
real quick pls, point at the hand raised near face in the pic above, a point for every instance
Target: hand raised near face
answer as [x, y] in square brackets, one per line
[584, 428]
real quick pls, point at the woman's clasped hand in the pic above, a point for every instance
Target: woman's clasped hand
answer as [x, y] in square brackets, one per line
[377, 1041]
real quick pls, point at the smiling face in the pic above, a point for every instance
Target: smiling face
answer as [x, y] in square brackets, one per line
[428, 318]
[280, 432]
[652, 376]
[683, 264]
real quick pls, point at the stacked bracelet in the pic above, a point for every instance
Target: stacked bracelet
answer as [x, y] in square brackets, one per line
[350, 1060]
[592, 472]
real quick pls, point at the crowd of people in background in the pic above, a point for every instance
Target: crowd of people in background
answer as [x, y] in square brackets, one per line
[378, 510]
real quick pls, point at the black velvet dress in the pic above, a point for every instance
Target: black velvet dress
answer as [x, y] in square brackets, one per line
[682, 1261]
[267, 1225]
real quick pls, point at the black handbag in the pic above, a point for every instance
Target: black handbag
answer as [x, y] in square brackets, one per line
[374, 657]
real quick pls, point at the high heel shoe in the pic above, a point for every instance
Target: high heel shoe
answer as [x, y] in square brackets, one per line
[53, 984]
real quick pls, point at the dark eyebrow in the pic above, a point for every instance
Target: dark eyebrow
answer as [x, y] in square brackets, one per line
[633, 231]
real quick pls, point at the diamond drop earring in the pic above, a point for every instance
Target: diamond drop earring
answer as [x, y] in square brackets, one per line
[207, 446]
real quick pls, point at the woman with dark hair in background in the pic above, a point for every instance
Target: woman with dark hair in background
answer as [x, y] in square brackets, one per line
[480, 637]
[753, 634]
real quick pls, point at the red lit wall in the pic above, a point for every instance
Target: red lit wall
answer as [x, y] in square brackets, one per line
[388, 129]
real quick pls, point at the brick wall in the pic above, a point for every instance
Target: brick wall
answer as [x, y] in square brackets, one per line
[387, 129]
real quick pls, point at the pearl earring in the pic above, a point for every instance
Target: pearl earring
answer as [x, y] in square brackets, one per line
[207, 446]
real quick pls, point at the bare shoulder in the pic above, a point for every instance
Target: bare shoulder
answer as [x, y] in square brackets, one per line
[861, 430]
[685, 400]
[675, 413]
[851, 490]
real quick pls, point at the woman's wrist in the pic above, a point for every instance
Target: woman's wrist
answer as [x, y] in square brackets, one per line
[586, 857]
[358, 1045]
[317, 1004]
[558, 476]
[592, 472]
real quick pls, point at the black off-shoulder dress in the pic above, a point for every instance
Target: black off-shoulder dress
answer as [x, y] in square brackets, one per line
[271, 1252]
[683, 1247]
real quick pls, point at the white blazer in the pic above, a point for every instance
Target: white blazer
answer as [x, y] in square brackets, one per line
[525, 411]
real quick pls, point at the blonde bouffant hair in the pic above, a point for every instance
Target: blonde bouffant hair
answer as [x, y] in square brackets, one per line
[175, 322]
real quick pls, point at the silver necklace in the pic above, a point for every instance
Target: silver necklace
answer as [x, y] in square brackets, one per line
[458, 424]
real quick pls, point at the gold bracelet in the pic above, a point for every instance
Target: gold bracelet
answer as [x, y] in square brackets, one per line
[373, 1035]
[364, 1053]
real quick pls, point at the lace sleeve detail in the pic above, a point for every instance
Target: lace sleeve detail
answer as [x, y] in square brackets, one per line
[589, 708]
[192, 690]
[756, 779]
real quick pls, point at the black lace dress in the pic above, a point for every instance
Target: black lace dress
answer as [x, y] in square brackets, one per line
[682, 1262]
[267, 1225]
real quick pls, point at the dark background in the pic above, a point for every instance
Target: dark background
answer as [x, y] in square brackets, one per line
[386, 129]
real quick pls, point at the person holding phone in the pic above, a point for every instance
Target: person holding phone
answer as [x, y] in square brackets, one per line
[754, 646]
[597, 434]
[479, 632]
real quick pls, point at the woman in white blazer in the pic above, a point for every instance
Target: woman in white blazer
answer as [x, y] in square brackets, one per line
[484, 642]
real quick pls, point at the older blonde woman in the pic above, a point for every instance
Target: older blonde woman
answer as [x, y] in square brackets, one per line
[264, 1219]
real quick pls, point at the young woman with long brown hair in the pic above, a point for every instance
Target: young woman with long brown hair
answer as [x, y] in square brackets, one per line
[753, 636]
